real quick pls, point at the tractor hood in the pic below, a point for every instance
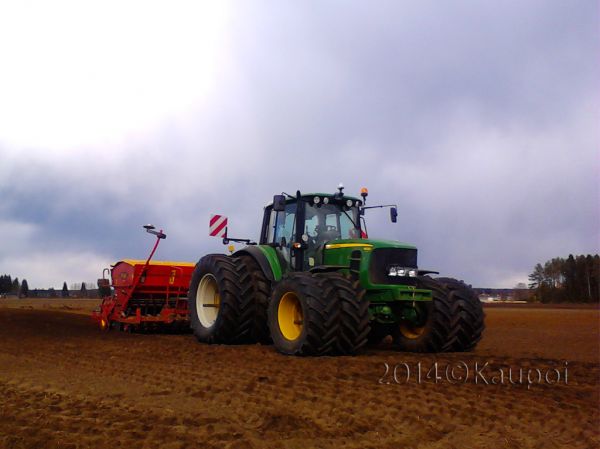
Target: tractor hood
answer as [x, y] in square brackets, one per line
[371, 256]
[366, 244]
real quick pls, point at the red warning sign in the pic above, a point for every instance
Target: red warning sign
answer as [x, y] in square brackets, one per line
[218, 226]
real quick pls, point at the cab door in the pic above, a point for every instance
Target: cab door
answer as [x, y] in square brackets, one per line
[281, 232]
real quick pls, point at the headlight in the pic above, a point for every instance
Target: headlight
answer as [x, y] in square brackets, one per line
[401, 271]
[316, 200]
[326, 200]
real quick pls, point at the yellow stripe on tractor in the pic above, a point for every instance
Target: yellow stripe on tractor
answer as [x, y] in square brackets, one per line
[348, 245]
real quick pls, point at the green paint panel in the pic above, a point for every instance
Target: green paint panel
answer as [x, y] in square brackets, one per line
[271, 256]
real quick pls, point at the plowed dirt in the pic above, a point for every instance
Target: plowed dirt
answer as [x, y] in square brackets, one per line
[64, 384]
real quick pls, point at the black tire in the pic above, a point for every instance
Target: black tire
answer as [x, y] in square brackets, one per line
[255, 294]
[467, 318]
[354, 312]
[432, 335]
[216, 275]
[316, 308]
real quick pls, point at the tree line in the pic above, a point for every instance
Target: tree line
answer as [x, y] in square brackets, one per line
[574, 279]
[10, 286]
[65, 292]
[13, 286]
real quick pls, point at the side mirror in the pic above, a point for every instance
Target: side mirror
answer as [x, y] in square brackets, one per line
[394, 214]
[279, 203]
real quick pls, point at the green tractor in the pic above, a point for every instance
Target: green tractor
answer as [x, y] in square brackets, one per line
[316, 285]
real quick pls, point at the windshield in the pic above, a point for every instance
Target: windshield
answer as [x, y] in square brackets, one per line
[331, 221]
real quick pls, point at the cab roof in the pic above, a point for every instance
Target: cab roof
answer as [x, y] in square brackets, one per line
[312, 195]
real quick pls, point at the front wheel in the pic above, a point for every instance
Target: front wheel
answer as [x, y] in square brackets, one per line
[428, 327]
[468, 320]
[452, 321]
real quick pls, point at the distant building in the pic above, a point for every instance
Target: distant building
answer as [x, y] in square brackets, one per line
[503, 294]
[52, 293]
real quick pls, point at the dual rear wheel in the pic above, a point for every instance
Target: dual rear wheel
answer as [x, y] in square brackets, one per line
[213, 300]
[227, 300]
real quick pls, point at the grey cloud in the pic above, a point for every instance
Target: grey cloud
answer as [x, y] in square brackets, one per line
[479, 120]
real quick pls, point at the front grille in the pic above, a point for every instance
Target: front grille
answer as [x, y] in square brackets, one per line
[383, 258]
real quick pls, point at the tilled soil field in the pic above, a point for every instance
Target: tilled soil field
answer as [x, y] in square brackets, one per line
[533, 382]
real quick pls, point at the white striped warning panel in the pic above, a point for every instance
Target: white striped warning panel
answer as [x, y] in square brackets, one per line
[218, 226]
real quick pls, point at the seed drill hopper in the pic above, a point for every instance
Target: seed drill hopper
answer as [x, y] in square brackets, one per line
[145, 294]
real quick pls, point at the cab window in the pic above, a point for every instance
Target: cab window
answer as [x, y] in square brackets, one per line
[282, 225]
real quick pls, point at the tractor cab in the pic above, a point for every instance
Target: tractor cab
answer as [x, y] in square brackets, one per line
[300, 227]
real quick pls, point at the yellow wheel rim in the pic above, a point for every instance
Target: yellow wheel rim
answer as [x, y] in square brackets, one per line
[208, 300]
[410, 331]
[289, 316]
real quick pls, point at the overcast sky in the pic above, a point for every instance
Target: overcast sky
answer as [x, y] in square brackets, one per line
[479, 119]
